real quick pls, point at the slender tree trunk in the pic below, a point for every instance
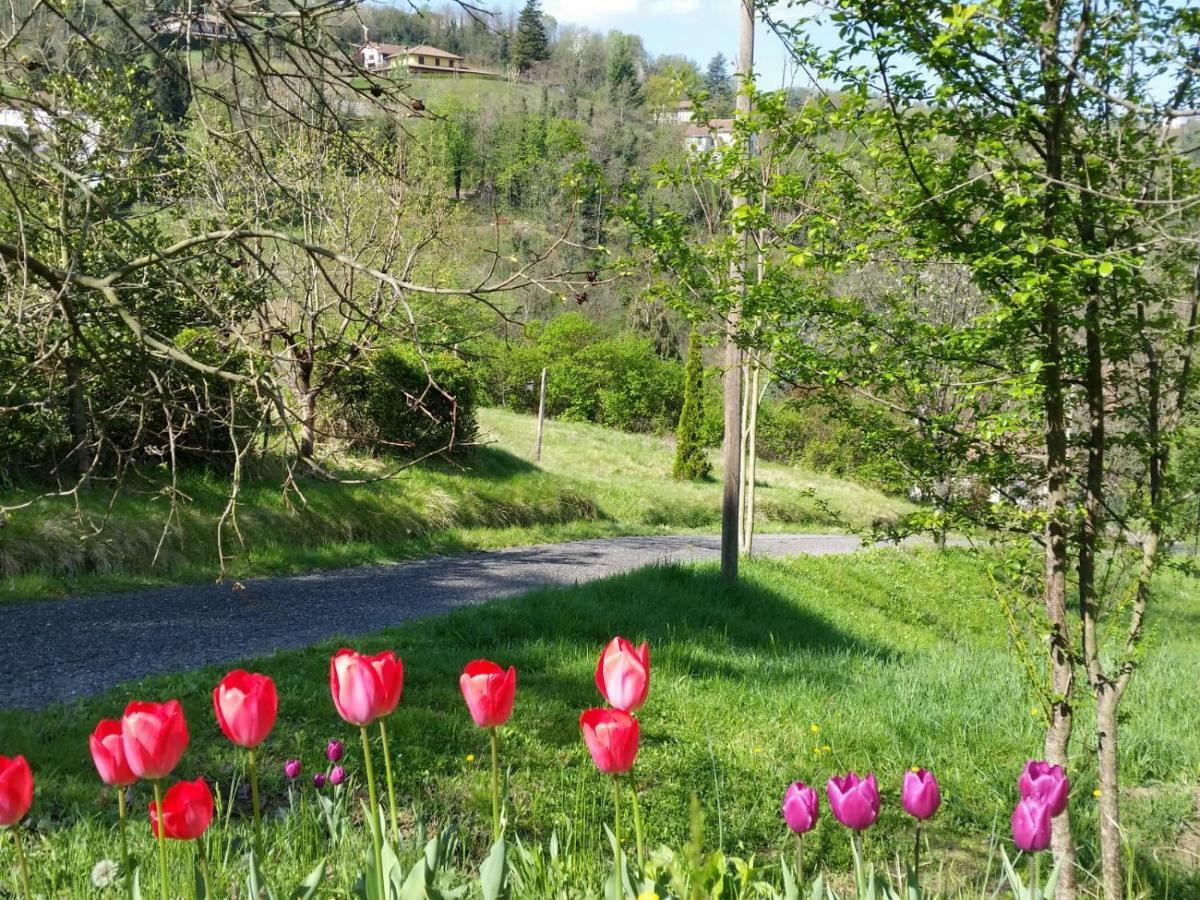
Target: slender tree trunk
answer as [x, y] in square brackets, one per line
[731, 505]
[306, 397]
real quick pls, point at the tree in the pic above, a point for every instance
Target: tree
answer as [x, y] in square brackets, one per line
[691, 460]
[718, 83]
[624, 88]
[531, 45]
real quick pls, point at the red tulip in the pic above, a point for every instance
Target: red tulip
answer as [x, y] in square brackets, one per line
[623, 674]
[365, 688]
[16, 789]
[611, 736]
[108, 753]
[187, 810]
[246, 705]
[154, 736]
[489, 692]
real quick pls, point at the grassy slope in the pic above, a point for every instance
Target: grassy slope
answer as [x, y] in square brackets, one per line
[592, 482]
[888, 659]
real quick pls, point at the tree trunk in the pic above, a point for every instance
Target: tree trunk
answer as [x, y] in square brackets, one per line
[307, 399]
[731, 506]
[81, 457]
[1062, 670]
[1110, 816]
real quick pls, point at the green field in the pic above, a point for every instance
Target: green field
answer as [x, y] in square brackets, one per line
[591, 482]
[881, 660]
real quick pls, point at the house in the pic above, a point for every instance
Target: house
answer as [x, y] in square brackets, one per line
[681, 112]
[717, 133]
[200, 25]
[376, 56]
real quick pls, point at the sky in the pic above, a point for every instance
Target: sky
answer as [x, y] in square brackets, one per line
[696, 28]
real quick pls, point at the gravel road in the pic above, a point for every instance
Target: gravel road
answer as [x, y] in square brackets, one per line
[62, 649]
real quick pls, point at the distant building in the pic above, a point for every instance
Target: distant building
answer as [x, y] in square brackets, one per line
[200, 25]
[377, 56]
[717, 133]
[681, 112]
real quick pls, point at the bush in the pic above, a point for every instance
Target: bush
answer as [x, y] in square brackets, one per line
[399, 403]
[620, 383]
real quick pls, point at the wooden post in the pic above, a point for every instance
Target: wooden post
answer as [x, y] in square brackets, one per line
[731, 501]
[537, 449]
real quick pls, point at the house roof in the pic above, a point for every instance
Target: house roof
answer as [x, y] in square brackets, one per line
[426, 50]
[385, 49]
[720, 126]
[684, 104]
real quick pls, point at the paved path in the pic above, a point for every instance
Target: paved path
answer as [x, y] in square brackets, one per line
[62, 649]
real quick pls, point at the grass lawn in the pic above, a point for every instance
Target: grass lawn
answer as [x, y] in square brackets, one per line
[881, 661]
[591, 482]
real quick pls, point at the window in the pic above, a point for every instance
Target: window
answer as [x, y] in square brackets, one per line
[421, 60]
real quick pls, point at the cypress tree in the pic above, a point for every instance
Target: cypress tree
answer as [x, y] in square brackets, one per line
[691, 462]
[531, 44]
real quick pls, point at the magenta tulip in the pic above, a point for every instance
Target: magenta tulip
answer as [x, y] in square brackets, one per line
[800, 807]
[319, 780]
[1031, 825]
[854, 801]
[337, 775]
[623, 674]
[920, 794]
[291, 769]
[1046, 783]
[489, 691]
[334, 751]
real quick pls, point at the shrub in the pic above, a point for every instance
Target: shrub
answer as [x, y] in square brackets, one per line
[405, 402]
[691, 462]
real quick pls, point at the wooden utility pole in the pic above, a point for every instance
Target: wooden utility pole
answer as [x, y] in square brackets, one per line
[731, 504]
[537, 449]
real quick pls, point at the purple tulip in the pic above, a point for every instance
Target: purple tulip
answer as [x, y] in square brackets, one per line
[291, 768]
[854, 800]
[319, 780]
[1047, 783]
[337, 776]
[800, 807]
[334, 751]
[1031, 825]
[920, 794]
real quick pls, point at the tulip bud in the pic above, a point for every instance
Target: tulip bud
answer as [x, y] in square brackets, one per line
[246, 704]
[612, 739]
[800, 807]
[853, 800]
[365, 688]
[1031, 825]
[319, 780]
[334, 751]
[920, 794]
[1047, 783]
[489, 692]
[16, 789]
[108, 754]
[623, 674]
[337, 776]
[153, 736]
[291, 768]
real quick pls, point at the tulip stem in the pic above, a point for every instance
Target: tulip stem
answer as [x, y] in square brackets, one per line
[1035, 876]
[495, 784]
[253, 766]
[617, 873]
[205, 874]
[637, 820]
[376, 828]
[917, 855]
[162, 840]
[125, 870]
[391, 786]
[21, 864]
[800, 859]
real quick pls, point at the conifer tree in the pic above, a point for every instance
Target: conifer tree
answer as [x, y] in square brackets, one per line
[691, 462]
[531, 44]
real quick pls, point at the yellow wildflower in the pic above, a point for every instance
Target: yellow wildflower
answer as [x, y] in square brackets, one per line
[470, 757]
[814, 727]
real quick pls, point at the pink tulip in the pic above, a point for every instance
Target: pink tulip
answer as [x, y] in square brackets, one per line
[920, 794]
[337, 775]
[291, 769]
[108, 753]
[334, 751]
[612, 738]
[489, 692]
[623, 674]
[1047, 783]
[154, 736]
[365, 688]
[1031, 825]
[246, 705]
[800, 807]
[853, 800]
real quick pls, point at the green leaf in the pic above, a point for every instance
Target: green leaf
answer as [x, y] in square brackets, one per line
[307, 889]
[493, 871]
[1105, 268]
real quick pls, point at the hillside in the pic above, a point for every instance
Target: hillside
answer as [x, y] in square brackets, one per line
[591, 481]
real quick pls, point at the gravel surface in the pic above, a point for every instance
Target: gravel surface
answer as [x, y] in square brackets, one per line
[62, 649]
